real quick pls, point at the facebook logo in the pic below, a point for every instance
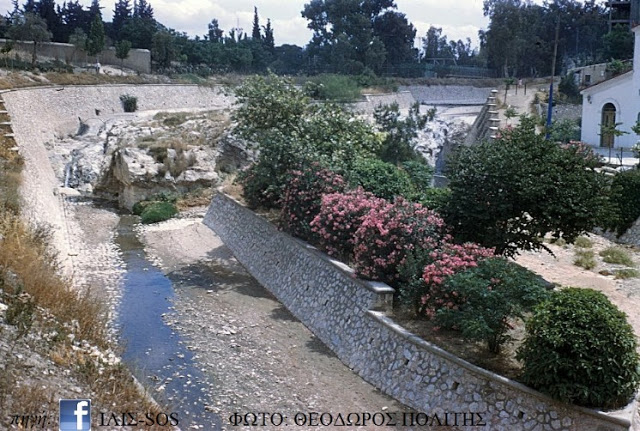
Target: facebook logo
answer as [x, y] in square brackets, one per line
[75, 415]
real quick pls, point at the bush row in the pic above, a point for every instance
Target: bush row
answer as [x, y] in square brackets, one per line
[465, 287]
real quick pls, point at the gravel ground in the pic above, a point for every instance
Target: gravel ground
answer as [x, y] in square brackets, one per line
[261, 357]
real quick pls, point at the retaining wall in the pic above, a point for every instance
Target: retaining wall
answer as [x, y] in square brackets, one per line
[341, 311]
[138, 59]
[448, 94]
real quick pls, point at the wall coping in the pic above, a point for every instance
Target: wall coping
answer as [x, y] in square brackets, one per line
[53, 87]
[614, 416]
[423, 344]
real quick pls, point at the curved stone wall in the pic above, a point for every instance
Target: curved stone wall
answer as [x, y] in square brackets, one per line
[345, 313]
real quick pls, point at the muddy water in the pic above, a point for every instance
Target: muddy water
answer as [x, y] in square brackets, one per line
[156, 354]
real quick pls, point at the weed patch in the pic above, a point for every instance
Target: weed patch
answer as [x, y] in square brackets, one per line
[585, 259]
[617, 255]
[623, 274]
[583, 242]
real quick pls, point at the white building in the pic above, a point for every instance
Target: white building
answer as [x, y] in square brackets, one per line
[615, 100]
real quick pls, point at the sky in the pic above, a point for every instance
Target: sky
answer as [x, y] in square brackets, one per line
[458, 19]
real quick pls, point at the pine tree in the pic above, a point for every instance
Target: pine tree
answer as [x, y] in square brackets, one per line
[255, 33]
[268, 37]
[215, 33]
[121, 14]
[95, 9]
[143, 10]
[46, 9]
[29, 7]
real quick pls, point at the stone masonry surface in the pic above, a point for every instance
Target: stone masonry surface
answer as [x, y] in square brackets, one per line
[341, 311]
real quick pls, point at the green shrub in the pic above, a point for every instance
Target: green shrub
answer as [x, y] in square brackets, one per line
[623, 274]
[157, 212]
[625, 201]
[579, 348]
[420, 174]
[435, 198]
[560, 242]
[129, 103]
[585, 259]
[337, 88]
[380, 178]
[616, 255]
[139, 207]
[583, 242]
[490, 295]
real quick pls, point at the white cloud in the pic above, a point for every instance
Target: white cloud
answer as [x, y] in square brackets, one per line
[459, 19]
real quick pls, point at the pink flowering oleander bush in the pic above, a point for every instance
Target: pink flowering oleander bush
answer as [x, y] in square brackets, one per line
[302, 198]
[389, 233]
[340, 216]
[446, 261]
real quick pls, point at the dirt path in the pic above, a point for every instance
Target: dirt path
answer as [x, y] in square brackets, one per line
[560, 269]
[260, 356]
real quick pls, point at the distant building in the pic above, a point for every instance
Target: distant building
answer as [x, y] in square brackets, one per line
[586, 76]
[614, 100]
[625, 12]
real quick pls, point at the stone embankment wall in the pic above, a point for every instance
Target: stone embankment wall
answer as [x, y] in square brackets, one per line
[340, 310]
[448, 94]
[404, 99]
[138, 59]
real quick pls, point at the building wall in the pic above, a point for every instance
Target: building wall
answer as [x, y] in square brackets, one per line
[624, 92]
[338, 309]
[138, 60]
[596, 73]
[621, 92]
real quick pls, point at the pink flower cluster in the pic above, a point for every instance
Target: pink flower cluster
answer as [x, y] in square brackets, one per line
[450, 259]
[302, 197]
[389, 232]
[340, 216]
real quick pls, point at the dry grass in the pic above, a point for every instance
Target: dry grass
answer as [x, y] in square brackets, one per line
[39, 300]
[585, 259]
[25, 254]
[196, 198]
[617, 255]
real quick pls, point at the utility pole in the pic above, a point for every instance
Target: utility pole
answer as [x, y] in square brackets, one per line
[553, 72]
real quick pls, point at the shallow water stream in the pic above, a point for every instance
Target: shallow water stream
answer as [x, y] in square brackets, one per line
[156, 354]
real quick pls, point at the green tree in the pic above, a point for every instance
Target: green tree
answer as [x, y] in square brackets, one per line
[33, 28]
[121, 14]
[215, 33]
[618, 43]
[95, 41]
[510, 113]
[397, 35]
[47, 11]
[79, 41]
[510, 192]
[164, 49]
[255, 32]
[269, 41]
[290, 132]
[347, 27]
[122, 51]
[400, 134]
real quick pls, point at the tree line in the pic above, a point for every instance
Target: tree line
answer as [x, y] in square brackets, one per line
[349, 37]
